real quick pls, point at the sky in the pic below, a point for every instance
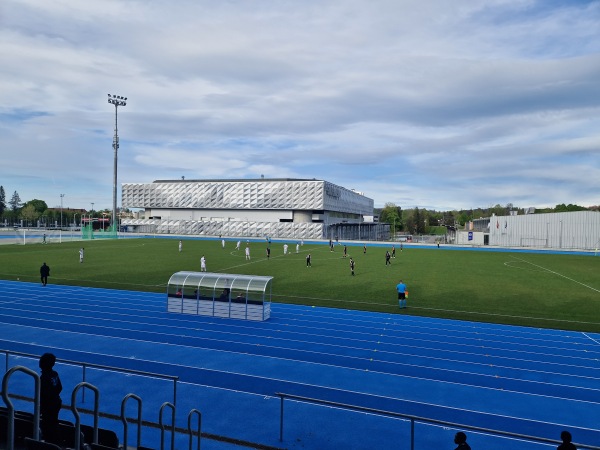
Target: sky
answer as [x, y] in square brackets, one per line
[433, 104]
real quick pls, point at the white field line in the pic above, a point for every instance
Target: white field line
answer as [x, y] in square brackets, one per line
[558, 274]
[591, 338]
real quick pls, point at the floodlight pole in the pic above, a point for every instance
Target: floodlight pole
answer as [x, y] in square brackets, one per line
[61, 208]
[116, 100]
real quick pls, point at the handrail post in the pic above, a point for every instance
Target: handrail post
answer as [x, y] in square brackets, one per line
[199, 414]
[162, 427]
[83, 367]
[139, 419]
[412, 433]
[281, 420]
[96, 391]
[175, 391]
[10, 432]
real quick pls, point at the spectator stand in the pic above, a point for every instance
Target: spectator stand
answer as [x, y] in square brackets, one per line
[220, 295]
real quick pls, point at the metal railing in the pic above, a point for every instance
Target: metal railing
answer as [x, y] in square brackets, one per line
[76, 414]
[10, 432]
[163, 426]
[139, 401]
[96, 413]
[85, 366]
[413, 420]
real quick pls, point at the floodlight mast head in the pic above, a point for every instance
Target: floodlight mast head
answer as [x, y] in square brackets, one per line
[116, 100]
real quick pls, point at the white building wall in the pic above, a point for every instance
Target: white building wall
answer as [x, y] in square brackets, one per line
[302, 216]
[225, 215]
[469, 238]
[568, 230]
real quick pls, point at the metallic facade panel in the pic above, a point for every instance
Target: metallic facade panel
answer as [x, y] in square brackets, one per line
[284, 198]
[254, 194]
[219, 228]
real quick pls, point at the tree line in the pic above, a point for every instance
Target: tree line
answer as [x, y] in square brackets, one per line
[35, 212]
[410, 221]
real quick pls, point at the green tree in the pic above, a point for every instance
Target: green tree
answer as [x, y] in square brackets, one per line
[570, 207]
[15, 202]
[497, 210]
[391, 214]
[38, 205]
[51, 216]
[29, 214]
[419, 217]
[2, 200]
[415, 222]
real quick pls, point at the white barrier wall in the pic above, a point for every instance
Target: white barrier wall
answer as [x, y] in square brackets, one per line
[568, 230]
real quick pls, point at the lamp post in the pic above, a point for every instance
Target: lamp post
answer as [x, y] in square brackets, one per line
[116, 100]
[61, 208]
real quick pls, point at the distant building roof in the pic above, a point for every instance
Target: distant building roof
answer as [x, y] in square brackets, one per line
[233, 180]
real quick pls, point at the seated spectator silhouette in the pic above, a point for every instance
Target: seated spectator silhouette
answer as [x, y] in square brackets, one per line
[566, 438]
[460, 439]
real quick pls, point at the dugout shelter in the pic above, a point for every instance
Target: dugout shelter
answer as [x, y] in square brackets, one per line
[220, 295]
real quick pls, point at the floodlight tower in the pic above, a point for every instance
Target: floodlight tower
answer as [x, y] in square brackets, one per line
[61, 209]
[116, 100]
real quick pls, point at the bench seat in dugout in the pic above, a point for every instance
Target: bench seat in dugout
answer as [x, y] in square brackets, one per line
[227, 295]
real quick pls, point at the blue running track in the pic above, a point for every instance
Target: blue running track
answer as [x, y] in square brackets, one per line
[522, 380]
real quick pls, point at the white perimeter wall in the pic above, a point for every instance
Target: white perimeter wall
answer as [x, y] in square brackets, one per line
[569, 230]
[224, 215]
[469, 237]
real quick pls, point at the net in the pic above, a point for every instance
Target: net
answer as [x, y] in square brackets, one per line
[28, 236]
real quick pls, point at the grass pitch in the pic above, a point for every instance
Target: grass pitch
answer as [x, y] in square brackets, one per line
[532, 289]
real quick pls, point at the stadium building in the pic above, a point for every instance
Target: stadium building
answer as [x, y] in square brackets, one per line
[284, 208]
[576, 230]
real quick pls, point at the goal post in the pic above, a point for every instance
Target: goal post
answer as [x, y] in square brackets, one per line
[29, 236]
[534, 242]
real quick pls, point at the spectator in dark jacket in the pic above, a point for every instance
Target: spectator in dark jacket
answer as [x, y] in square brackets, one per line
[460, 439]
[566, 437]
[50, 401]
[44, 273]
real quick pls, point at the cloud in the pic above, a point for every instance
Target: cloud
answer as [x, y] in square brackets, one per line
[419, 103]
